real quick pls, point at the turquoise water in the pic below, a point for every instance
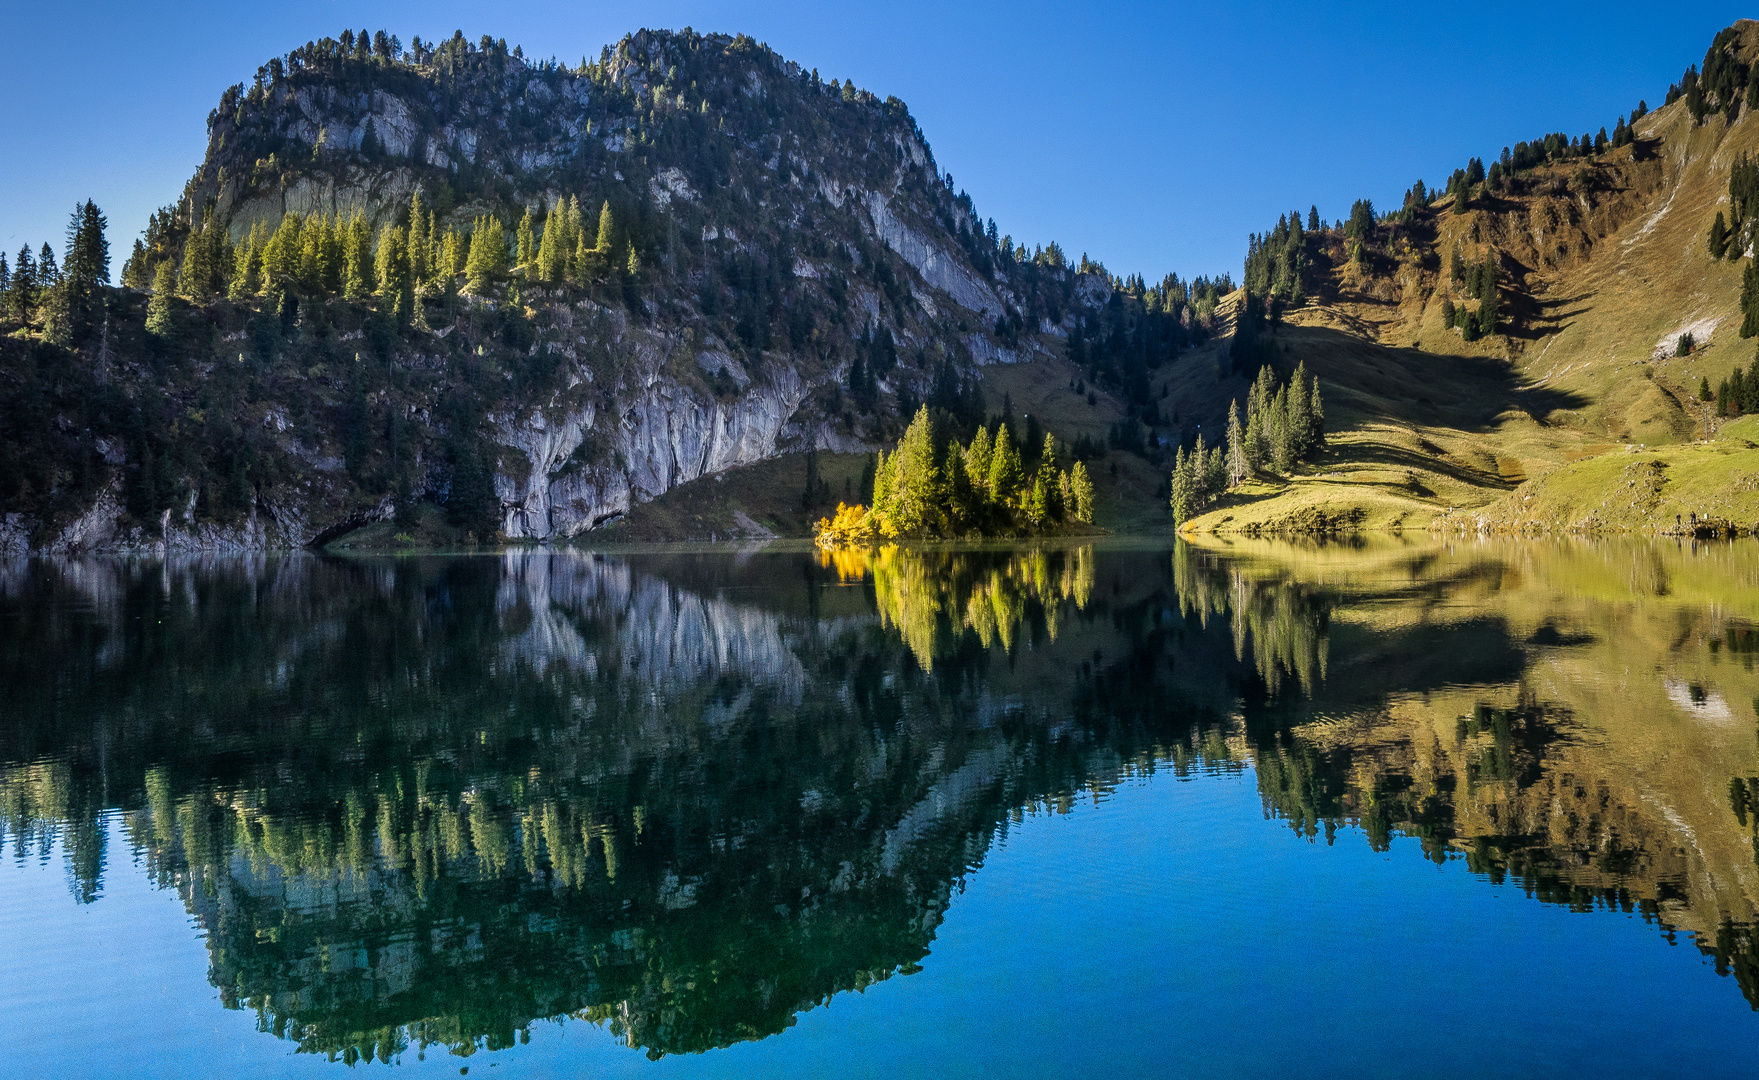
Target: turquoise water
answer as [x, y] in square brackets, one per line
[752, 814]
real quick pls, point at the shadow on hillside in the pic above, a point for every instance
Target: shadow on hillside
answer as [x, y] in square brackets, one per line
[1379, 382]
[1397, 457]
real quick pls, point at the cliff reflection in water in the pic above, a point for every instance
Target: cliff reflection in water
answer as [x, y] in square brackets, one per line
[430, 801]
[420, 802]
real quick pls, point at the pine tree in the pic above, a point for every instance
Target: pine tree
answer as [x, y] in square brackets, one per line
[525, 244]
[1313, 218]
[1237, 467]
[1487, 301]
[1315, 420]
[247, 264]
[607, 239]
[420, 241]
[159, 321]
[1718, 239]
[357, 272]
[391, 267]
[1182, 497]
[552, 247]
[88, 267]
[1081, 494]
[1282, 449]
[977, 462]
[488, 254]
[21, 297]
[1300, 419]
[1006, 474]
[915, 494]
[1704, 393]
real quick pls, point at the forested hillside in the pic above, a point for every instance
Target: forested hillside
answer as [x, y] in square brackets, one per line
[458, 295]
[446, 281]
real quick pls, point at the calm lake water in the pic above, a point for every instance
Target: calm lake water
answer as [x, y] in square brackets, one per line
[1355, 810]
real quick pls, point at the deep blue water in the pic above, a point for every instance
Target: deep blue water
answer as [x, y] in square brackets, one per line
[760, 816]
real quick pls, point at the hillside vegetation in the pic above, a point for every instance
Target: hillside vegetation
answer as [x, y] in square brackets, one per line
[1595, 262]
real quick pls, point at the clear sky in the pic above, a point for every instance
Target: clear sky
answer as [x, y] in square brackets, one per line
[1152, 136]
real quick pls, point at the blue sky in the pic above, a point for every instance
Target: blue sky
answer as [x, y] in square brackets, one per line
[1152, 136]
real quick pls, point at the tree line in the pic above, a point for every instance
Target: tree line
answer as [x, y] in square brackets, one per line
[1736, 395]
[65, 299]
[1479, 281]
[1284, 424]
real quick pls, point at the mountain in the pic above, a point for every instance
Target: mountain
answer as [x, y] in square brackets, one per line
[420, 295]
[449, 282]
[1581, 409]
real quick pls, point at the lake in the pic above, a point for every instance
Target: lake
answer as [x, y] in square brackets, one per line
[1355, 809]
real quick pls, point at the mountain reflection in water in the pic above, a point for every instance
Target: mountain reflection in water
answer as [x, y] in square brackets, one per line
[688, 796]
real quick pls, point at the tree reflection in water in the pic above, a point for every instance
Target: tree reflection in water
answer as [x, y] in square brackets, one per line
[426, 802]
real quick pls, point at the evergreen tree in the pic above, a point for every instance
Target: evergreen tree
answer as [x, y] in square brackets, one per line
[1487, 299]
[420, 240]
[1237, 467]
[1300, 418]
[1080, 494]
[488, 254]
[391, 267]
[914, 482]
[21, 297]
[357, 264]
[1718, 239]
[159, 318]
[977, 462]
[1313, 218]
[1750, 299]
[607, 238]
[88, 267]
[247, 266]
[1006, 473]
[1182, 488]
[525, 244]
[1282, 447]
[1704, 393]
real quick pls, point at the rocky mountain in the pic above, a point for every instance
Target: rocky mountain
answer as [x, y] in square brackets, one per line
[529, 295]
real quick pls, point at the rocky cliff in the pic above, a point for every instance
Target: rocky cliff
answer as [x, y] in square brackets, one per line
[779, 265]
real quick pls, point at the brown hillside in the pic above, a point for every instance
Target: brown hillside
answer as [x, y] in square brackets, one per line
[1602, 265]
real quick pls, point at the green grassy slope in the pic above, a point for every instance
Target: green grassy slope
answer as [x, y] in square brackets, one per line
[1602, 265]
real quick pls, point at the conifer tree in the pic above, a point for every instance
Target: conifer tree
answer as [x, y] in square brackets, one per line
[1717, 241]
[1182, 488]
[1237, 467]
[607, 240]
[391, 267]
[977, 461]
[1006, 473]
[525, 244]
[1300, 417]
[553, 247]
[914, 482]
[357, 265]
[21, 296]
[420, 226]
[488, 254]
[159, 305]
[247, 262]
[1282, 449]
[1080, 494]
